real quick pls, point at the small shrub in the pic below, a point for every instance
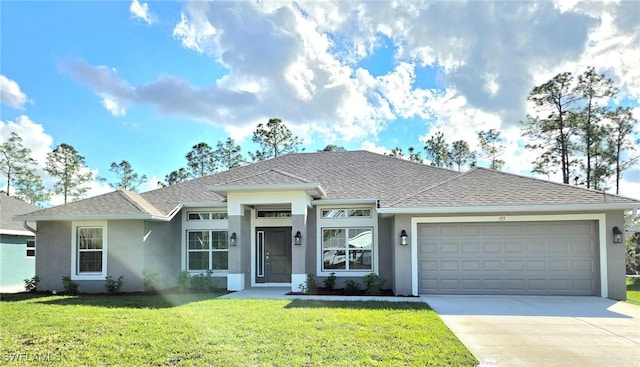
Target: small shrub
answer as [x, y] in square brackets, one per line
[31, 284]
[330, 282]
[151, 280]
[183, 281]
[351, 287]
[201, 282]
[374, 283]
[113, 286]
[70, 287]
[310, 286]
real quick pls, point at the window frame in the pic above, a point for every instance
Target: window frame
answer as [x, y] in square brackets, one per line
[346, 223]
[210, 250]
[210, 215]
[31, 248]
[347, 250]
[75, 251]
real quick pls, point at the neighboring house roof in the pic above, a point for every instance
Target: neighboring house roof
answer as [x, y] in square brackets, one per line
[9, 208]
[354, 175]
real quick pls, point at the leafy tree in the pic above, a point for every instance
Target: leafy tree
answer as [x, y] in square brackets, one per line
[414, 156]
[68, 167]
[14, 159]
[620, 139]
[333, 148]
[228, 154]
[177, 176]
[275, 139]
[461, 155]
[592, 88]
[492, 145]
[396, 152]
[437, 150]
[128, 179]
[30, 188]
[553, 134]
[201, 160]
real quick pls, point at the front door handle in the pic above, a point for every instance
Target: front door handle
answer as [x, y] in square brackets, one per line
[266, 258]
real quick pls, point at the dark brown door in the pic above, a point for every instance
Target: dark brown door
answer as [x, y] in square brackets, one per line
[273, 255]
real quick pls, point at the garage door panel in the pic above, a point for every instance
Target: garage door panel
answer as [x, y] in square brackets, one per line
[508, 258]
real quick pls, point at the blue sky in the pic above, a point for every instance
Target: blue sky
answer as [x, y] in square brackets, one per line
[144, 82]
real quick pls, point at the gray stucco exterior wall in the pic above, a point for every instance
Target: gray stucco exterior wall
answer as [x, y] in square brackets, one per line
[162, 248]
[53, 257]
[401, 256]
[125, 254]
[385, 251]
[616, 269]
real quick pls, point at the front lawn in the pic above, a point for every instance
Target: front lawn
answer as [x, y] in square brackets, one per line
[203, 330]
[633, 290]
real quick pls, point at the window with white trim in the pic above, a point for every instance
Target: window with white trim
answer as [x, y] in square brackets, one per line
[31, 248]
[89, 250]
[195, 216]
[349, 249]
[347, 237]
[207, 250]
[346, 213]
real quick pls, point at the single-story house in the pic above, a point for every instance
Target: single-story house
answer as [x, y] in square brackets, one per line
[426, 230]
[17, 245]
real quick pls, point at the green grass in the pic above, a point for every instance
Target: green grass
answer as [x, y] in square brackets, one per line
[633, 290]
[203, 330]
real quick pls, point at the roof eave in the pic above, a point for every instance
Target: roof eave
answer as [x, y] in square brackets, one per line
[13, 232]
[313, 189]
[508, 208]
[92, 217]
[344, 201]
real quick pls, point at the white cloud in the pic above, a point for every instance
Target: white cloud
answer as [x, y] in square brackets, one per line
[40, 143]
[141, 11]
[10, 93]
[300, 61]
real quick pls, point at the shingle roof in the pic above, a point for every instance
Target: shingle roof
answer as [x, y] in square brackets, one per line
[348, 175]
[113, 203]
[484, 187]
[10, 207]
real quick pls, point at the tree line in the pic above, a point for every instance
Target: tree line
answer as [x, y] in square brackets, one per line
[70, 173]
[576, 129]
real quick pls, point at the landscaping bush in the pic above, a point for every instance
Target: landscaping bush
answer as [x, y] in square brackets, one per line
[31, 284]
[310, 286]
[374, 283]
[351, 287]
[330, 282]
[113, 286]
[183, 281]
[70, 287]
[151, 280]
[202, 282]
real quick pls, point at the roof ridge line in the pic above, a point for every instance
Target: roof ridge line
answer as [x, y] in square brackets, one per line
[433, 186]
[285, 173]
[129, 196]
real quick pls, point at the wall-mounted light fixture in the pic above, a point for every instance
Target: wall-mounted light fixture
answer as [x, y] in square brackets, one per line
[617, 235]
[232, 239]
[297, 238]
[403, 238]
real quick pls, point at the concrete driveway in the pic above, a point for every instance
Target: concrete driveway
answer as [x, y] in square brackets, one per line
[543, 331]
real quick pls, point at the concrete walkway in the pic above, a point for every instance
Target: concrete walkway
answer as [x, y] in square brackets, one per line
[543, 331]
[281, 293]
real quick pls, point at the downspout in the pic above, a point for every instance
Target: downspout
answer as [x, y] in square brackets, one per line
[28, 227]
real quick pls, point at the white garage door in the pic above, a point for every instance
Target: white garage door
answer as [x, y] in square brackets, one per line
[541, 258]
